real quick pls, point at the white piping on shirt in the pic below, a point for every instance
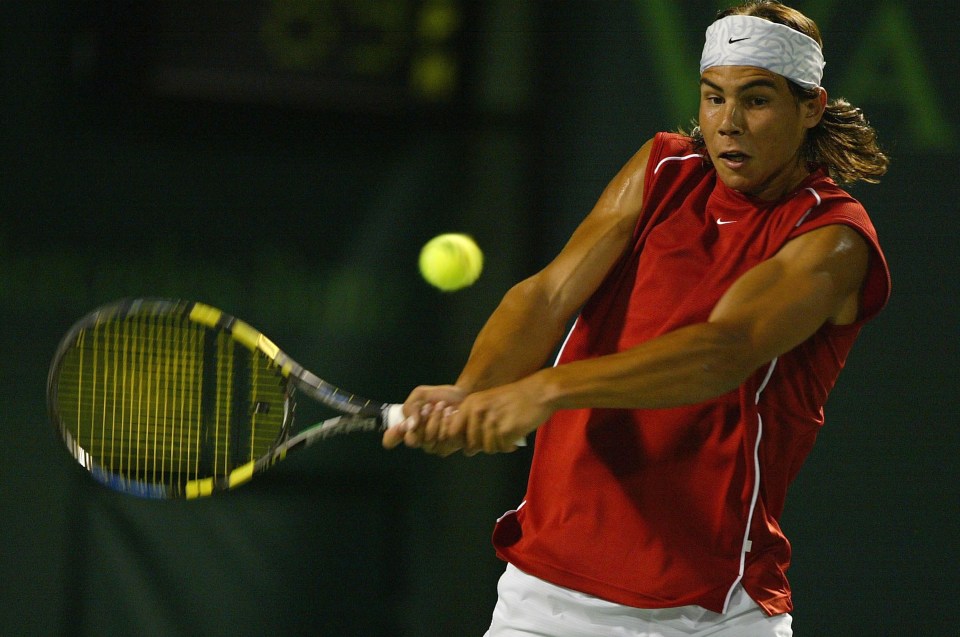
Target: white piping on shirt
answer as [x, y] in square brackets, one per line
[746, 546]
[810, 209]
[555, 363]
[565, 340]
[511, 511]
[675, 158]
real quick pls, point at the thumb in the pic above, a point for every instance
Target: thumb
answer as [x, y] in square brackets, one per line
[393, 436]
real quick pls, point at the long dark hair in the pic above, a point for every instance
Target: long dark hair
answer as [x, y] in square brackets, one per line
[844, 141]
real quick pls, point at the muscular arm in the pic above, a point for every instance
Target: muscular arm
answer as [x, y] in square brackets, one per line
[772, 308]
[530, 320]
[814, 279]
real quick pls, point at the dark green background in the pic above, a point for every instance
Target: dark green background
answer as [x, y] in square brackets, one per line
[305, 219]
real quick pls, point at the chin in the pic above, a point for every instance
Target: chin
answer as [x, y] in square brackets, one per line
[734, 181]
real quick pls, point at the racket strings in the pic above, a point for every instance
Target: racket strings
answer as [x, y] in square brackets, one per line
[150, 399]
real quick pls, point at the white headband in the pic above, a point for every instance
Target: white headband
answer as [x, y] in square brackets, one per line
[743, 40]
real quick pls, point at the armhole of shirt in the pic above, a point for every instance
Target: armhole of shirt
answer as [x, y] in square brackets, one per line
[876, 285]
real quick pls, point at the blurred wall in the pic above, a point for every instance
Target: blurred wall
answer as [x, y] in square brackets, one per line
[240, 154]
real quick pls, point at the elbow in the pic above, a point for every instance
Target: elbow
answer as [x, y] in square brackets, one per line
[729, 358]
[535, 295]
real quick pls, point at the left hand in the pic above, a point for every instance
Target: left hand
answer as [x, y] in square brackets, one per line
[495, 420]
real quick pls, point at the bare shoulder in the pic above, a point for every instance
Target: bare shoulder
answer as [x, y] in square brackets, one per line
[636, 166]
[623, 196]
[838, 253]
[639, 160]
[834, 244]
[599, 240]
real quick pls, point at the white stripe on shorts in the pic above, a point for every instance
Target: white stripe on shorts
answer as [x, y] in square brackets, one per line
[530, 607]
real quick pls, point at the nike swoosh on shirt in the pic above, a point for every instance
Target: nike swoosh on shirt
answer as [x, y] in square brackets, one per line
[721, 222]
[734, 41]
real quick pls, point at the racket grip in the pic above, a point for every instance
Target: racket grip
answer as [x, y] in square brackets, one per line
[392, 415]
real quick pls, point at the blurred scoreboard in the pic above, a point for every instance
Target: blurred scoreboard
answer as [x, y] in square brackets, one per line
[379, 55]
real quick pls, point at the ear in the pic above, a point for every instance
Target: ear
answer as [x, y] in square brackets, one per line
[814, 108]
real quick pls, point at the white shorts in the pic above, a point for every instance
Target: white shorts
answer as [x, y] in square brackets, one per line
[530, 607]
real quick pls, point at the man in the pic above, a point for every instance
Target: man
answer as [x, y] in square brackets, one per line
[720, 280]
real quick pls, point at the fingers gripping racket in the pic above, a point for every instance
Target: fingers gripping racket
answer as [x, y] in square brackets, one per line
[176, 399]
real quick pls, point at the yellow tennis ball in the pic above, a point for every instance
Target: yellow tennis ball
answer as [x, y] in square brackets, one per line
[451, 261]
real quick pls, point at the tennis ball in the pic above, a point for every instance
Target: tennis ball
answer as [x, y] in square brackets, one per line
[451, 261]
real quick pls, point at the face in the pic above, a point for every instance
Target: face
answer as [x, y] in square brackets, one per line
[753, 127]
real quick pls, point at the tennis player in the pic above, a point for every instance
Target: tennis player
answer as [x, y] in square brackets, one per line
[721, 280]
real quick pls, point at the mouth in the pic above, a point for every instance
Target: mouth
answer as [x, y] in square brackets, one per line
[733, 159]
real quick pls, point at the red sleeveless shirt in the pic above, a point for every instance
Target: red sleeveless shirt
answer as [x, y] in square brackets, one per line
[672, 507]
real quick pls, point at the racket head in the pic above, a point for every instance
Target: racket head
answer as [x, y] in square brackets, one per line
[169, 399]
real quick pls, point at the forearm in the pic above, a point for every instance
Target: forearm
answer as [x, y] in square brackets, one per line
[515, 342]
[769, 310]
[683, 367]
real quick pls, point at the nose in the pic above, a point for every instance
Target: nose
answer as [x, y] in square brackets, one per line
[731, 122]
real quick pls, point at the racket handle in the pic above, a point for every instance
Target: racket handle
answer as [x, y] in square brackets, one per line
[393, 416]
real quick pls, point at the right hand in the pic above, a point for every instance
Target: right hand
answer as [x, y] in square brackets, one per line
[424, 409]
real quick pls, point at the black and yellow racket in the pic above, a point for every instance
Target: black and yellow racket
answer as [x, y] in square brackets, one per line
[175, 399]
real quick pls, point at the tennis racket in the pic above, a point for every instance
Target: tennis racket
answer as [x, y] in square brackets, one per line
[176, 399]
